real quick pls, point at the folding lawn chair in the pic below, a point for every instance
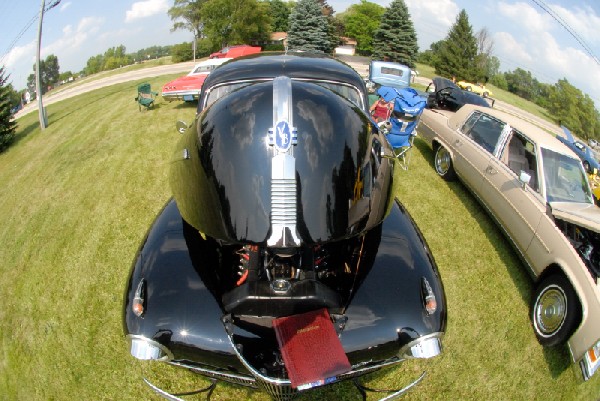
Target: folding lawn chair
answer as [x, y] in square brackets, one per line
[145, 96]
[408, 107]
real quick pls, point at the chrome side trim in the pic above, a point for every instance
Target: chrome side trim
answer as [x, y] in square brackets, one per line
[161, 392]
[394, 393]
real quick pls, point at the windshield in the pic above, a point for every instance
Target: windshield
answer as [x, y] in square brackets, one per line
[564, 178]
[346, 91]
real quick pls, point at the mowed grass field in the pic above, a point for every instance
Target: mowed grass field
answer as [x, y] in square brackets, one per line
[77, 198]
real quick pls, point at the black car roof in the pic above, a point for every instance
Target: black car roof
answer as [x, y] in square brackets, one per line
[294, 65]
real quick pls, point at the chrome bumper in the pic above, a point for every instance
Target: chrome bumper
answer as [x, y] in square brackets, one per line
[281, 390]
[170, 96]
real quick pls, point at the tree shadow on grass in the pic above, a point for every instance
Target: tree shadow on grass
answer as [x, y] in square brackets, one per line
[21, 134]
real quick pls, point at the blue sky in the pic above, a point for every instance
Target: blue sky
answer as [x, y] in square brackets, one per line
[524, 34]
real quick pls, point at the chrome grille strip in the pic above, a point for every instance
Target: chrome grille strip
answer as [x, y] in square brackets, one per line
[282, 137]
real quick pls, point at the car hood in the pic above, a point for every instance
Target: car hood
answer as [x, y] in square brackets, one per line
[586, 215]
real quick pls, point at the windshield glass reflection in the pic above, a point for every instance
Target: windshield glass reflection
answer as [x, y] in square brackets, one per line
[565, 179]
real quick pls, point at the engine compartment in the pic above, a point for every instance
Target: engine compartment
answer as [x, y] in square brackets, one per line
[585, 242]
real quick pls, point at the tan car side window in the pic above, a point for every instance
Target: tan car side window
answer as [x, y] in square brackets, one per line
[519, 155]
[484, 130]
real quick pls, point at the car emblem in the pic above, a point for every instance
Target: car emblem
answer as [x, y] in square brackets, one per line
[283, 136]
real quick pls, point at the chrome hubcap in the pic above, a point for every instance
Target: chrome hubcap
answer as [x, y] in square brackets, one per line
[442, 161]
[550, 310]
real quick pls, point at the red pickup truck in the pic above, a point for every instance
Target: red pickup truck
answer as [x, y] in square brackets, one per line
[235, 51]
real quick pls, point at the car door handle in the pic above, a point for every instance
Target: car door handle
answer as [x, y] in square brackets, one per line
[490, 170]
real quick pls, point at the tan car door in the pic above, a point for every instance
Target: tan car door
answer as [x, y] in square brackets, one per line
[473, 147]
[518, 209]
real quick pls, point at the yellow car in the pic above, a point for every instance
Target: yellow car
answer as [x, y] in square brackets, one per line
[480, 89]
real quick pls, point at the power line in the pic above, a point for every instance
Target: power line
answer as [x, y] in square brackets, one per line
[571, 31]
[25, 29]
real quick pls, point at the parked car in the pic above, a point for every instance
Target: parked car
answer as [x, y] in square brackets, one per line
[478, 88]
[537, 190]
[385, 73]
[587, 155]
[236, 51]
[593, 143]
[187, 87]
[442, 93]
[282, 204]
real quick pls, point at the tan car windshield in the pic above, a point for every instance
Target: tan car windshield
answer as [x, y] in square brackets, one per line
[565, 179]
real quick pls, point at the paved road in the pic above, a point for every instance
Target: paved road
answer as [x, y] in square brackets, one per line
[96, 82]
[360, 64]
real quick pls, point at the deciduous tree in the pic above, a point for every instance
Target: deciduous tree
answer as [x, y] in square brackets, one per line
[49, 73]
[230, 22]
[361, 21]
[280, 14]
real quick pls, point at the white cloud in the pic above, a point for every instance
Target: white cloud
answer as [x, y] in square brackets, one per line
[508, 48]
[441, 12]
[72, 40]
[525, 16]
[19, 53]
[146, 8]
[582, 20]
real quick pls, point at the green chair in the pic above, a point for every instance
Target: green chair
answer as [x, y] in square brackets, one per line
[145, 96]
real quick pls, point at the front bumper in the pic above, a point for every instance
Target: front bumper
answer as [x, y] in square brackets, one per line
[281, 389]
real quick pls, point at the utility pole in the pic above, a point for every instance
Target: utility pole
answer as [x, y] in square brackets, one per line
[38, 84]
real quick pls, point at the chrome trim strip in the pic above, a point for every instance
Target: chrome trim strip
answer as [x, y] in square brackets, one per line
[283, 136]
[235, 378]
[394, 393]
[160, 392]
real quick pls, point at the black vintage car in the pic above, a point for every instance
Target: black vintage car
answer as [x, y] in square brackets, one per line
[282, 204]
[445, 94]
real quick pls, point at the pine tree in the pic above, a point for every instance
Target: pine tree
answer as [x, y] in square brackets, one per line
[7, 123]
[396, 39]
[308, 28]
[458, 54]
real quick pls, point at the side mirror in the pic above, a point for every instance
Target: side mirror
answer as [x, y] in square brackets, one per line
[524, 178]
[181, 127]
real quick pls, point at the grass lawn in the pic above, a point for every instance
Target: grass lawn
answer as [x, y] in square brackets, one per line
[77, 198]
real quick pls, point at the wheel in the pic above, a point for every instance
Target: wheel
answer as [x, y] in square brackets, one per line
[468, 88]
[586, 165]
[485, 94]
[555, 311]
[443, 164]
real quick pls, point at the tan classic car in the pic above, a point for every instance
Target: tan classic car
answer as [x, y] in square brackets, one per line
[538, 192]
